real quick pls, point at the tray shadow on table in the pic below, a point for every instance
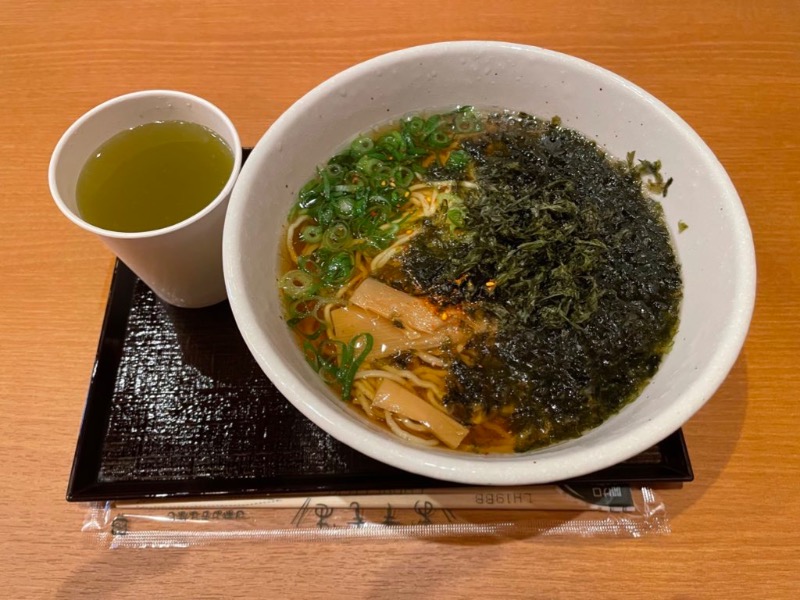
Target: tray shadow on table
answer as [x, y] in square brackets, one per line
[713, 434]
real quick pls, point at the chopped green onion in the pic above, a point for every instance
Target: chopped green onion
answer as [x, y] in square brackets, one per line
[416, 152]
[298, 284]
[302, 308]
[311, 234]
[311, 356]
[336, 236]
[326, 184]
[329, 349]
[335, 172]
[358, 348]
[403, 176]
[378, 199]
[361, 145]
[307, 264]
[438, 139]
[337, 362]
[466, 122]
[344, 206]
[432, 124]
[325, 357]
[309, 194]
[381, 176]
[368, 164]
[414, 126]
[337, 268]
[393, 143]
[325, 215]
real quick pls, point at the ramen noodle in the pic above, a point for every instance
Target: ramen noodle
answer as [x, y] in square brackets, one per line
[485, 281]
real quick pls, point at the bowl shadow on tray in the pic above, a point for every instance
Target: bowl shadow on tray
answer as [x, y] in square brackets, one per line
[210, 342]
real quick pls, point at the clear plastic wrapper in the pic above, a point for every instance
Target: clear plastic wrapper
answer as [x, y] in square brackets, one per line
[496, 513]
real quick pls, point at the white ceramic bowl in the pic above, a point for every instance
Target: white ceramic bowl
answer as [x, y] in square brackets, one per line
[716, 251]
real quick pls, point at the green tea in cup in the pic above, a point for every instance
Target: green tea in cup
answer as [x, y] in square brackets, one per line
[152, 176]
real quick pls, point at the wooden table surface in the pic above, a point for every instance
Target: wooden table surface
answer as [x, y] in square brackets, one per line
[730, 68]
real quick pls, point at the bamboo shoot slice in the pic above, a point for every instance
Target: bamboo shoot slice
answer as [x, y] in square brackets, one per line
[395, 305]
[396, 399]
[351, 321]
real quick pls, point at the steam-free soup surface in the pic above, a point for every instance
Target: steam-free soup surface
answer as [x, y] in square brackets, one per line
[486, 281]
[153, 176]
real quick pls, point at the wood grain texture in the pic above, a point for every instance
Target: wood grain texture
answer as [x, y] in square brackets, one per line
[730, 68]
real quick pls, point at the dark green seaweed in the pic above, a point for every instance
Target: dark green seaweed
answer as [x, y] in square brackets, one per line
[562, 246]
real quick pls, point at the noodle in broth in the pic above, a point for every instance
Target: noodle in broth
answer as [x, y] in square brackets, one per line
[485, 281]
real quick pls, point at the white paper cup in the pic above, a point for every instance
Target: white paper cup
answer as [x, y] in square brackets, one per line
[181, 263]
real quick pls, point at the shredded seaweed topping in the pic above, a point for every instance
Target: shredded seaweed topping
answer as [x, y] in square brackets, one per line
[562, 246]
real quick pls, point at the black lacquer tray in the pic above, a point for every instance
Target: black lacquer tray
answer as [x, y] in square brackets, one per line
[177, 406]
